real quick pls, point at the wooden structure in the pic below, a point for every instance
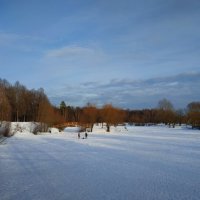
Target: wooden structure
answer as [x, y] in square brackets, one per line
[67, 124]
[73, 124]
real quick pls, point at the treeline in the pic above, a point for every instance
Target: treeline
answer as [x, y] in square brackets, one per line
[163, 113]
[17, 103]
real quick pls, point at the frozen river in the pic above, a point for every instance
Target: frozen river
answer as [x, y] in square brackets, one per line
[144, 163]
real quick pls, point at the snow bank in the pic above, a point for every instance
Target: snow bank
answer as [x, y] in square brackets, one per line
[72, 129]
[28, 128]
[54, 130]
[22, 127]
[99, 129]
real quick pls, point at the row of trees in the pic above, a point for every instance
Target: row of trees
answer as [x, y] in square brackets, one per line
[90, 114]
[164, 113]
[17, 103]
[107, 114]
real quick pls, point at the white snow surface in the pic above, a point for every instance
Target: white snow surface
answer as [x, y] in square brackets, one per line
[147, 163]
[22, 127]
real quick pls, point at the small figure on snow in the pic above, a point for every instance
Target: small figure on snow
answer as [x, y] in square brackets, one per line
[86, 135]
[79, 135]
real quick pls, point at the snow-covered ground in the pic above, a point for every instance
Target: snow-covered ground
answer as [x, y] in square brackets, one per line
[141, 163]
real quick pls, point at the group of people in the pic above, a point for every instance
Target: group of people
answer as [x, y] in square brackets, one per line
[79, 135]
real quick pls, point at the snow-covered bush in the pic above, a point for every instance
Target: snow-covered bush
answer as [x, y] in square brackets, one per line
[5, 129]
[40, 127]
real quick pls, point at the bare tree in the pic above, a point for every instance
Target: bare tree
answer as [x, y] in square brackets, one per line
[165, 104]
[166, 112]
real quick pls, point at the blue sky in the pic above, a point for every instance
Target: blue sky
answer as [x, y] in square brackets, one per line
[131, 53]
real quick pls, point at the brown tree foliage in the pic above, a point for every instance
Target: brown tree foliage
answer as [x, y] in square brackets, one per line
[17, 103]
[89, 115]
[112, 116]
[193, 115]
[5, 109]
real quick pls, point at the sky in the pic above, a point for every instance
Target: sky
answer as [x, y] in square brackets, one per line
[130, 53]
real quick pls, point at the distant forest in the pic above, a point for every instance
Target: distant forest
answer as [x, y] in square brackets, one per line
[17, 103]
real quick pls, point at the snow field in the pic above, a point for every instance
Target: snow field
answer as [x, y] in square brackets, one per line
[141, 163]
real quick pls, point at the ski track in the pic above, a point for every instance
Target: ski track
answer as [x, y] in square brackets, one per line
[142, 163]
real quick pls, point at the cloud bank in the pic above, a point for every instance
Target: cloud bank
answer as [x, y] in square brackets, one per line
[180, 89]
